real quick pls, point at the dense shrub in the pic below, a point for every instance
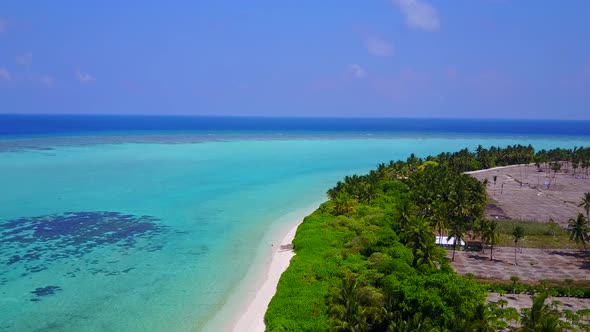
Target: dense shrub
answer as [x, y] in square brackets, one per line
[366, 259]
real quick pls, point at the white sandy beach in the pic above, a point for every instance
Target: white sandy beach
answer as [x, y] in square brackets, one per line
[244, 310]
[252, 319]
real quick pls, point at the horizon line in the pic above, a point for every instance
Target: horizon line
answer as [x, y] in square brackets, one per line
[291, 116]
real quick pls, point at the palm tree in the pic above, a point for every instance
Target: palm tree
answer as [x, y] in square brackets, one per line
[427, 255]
[555, 167]
[569, 283]
[416, 323]
[586, 165]
[478, 231]
[344, 203]
[481, 320]
[515, 280]
[491, 235]
[578, 229]
[418, 235]
[517, 235]
[406, 210]
[586, 204]
[495, 178]
[457, 231]
[346, 311]
[540, 317]
[440, 216]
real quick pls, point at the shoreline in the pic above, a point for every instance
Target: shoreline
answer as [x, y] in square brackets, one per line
[244, 310]
[252, 318]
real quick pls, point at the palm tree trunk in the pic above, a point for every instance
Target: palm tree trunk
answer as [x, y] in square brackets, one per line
[453, 259]
[492, 253]
[515, 262]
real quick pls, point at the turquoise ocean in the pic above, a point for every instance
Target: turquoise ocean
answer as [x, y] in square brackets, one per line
[159, 231]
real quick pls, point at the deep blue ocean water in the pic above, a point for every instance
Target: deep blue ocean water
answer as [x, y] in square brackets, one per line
[116, 223]
[34, 125]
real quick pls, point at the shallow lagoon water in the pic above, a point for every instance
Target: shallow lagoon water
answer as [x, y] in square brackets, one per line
[150, 236]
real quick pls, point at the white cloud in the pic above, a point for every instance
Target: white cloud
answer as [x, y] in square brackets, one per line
[419, 14]
[84, 77]
[379, 47]
[4, 75]
[356, 71]
[24, 59]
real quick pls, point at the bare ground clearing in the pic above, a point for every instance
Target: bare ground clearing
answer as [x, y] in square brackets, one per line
[533, 264]
[521, 193]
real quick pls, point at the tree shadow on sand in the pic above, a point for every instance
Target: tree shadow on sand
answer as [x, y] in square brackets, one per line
[485, 258]
[584, 256]
[576, 254]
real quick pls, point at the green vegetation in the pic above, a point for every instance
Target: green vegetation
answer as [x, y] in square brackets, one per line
[356, 272]
[367, 260]
[579, 230]
[579, 227]
[531, 228]
[585, 203]
[541, 317]
[567, 287]
[537, 235]
[517, 235]
[490, 234]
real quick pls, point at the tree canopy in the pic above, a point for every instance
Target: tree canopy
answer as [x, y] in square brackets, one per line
[367, 259]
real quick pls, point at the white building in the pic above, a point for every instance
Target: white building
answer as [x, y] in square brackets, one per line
[442, 241]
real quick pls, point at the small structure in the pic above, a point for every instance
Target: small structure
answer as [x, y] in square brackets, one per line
[445, 241]
[475, 245]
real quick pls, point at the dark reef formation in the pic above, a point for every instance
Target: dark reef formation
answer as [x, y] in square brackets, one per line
[32, 244]
[44, 291]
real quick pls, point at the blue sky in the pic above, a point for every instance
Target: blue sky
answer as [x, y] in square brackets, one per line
[373, 58]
